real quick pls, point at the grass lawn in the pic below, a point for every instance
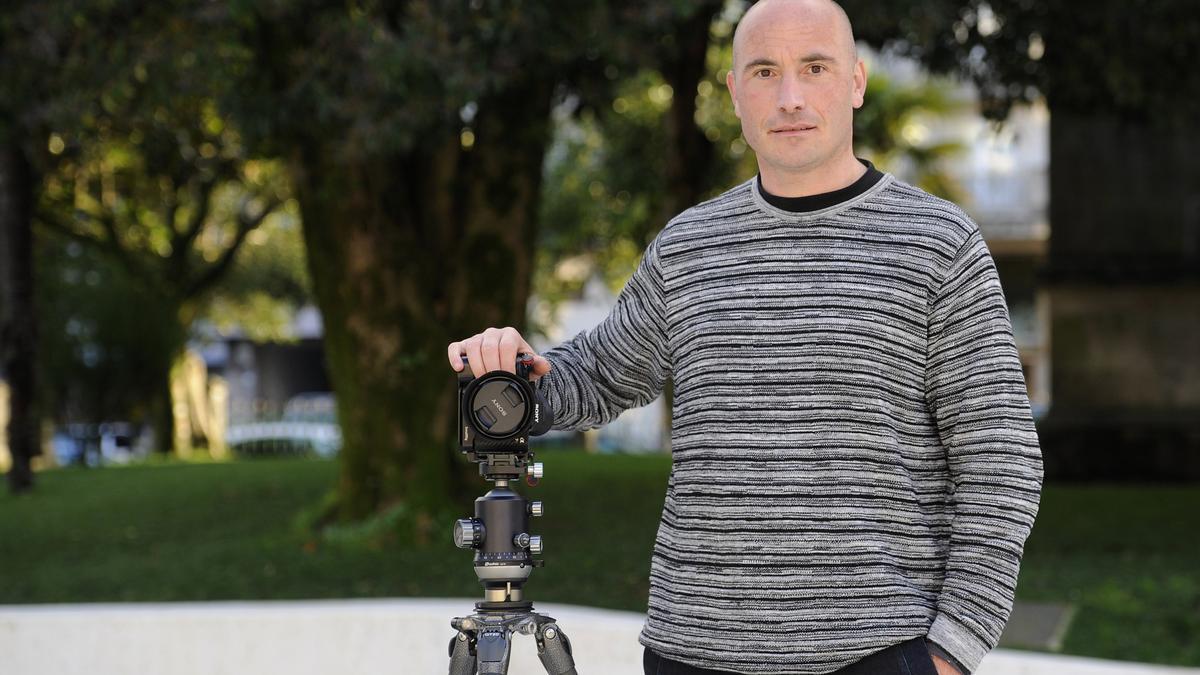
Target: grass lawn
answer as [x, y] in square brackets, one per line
[1127, 557]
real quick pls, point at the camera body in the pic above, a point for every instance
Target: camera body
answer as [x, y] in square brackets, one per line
[498, 412]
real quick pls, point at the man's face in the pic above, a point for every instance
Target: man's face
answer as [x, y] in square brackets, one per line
[795, 84]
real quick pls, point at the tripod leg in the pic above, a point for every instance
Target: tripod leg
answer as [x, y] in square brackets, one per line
[492, 649]
[462, 661]
[554, 650]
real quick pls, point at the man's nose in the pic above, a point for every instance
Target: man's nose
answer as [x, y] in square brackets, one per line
[791, 95]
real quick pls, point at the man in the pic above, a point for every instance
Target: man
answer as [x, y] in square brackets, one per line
[855, 467]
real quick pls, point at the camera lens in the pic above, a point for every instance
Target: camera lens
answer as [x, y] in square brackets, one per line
[499, 408]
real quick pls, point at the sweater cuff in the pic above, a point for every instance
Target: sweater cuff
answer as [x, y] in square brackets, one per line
[937, 651]
[959, 642]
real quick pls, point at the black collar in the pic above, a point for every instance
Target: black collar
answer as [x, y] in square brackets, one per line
[824, 200]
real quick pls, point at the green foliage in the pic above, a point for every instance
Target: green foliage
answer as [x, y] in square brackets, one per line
[147, 194]
[714, 112]
[382, 80]
[117, 297]
[891, 129]
[1125, 59]
[604, 180]
[228, 531]
[605, 183]
[414, 135]
[267, 282]
[164, 132]
[1123, 557]
[151, 236]
[168, 192]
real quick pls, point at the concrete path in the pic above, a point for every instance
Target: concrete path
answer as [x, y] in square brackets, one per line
[347, 637]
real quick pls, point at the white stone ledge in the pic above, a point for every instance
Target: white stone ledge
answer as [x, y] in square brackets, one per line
[348, 637]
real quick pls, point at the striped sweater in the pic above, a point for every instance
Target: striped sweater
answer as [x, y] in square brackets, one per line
[854, 459]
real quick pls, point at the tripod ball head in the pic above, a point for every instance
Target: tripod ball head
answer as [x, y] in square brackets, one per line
[504, 549]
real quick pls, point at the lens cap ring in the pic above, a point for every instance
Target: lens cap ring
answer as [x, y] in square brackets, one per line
[499, 405]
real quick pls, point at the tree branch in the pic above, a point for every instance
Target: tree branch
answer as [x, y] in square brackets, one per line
[246, 224]
[181, 242]
[108, 245]
[171, 205]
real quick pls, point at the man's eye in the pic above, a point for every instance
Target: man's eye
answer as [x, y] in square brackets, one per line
[817, 68]
[762, 73]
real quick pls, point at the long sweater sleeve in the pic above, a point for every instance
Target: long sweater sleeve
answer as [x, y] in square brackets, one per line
[619, 364]
[976, 391]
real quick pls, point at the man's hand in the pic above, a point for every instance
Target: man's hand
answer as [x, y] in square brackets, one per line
[495, 349]
[943, 666]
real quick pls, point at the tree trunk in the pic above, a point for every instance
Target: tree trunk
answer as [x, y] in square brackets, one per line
[18, 321]
[689, 162]
[163, 410]
[408, 254]
[163, 401]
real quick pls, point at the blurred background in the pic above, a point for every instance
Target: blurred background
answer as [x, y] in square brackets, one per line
[236, 238]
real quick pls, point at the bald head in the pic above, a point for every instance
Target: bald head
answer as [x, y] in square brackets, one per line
[818, 11]
[795, 84]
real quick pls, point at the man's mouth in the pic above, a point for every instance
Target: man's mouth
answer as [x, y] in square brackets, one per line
[792, 129]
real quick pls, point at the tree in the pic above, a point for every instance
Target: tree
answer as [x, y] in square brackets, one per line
[1017, 51]
[110, 139]
[18, 339]
[102, 328]
[99, 328]
[414, 136]
[159, 183]
[52, 62]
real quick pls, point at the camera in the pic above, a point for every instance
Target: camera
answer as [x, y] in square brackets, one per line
[499, 411]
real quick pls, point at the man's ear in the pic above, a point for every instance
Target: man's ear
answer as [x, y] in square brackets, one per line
[729, 84]
[860, 83]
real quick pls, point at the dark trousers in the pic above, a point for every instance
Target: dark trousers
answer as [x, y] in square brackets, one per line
[907, 658]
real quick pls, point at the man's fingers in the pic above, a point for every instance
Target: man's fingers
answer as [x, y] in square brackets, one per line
[454, 353]
[475, 356]
[491, 350]
[494, 349]
[510, 343]
[541, 365]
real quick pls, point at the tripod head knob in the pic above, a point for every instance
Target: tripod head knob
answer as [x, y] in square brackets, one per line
[535, 509]
[468, 533]
[534, 470]
[532, 542]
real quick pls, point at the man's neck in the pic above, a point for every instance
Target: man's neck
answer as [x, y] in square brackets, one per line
[805, 183]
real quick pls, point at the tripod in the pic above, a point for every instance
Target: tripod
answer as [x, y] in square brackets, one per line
[484, 641]
[497, 414]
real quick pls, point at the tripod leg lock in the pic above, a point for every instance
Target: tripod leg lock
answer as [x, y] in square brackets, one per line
[462, 655]
[554, 650]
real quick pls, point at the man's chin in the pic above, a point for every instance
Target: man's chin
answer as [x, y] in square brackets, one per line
[793, 163]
